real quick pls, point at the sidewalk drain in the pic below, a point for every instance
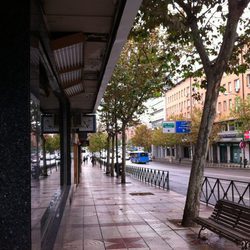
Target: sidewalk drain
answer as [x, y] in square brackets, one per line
[142, 194]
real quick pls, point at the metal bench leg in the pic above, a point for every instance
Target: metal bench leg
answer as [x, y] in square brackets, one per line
[202, 228]
[245, 245]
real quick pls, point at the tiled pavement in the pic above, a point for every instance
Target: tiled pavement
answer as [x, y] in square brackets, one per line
[105, 215]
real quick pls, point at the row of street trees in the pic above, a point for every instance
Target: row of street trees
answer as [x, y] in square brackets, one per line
[137, 77]
[169, 39]
[145, 137]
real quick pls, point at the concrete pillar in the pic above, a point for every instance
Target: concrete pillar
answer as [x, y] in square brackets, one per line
[218, 153]
[228, 154]
[15, 169]
[65, 166]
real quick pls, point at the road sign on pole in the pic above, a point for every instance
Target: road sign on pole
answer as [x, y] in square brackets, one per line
[168, 127]
[183, 127]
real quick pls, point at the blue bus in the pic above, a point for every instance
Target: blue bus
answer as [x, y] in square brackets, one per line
[139, 157]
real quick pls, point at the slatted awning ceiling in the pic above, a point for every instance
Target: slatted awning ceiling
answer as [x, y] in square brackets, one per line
[86, 39]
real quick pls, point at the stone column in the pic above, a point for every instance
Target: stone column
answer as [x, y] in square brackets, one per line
[15, 168]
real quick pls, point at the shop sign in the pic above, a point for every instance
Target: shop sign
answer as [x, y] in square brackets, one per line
[50, 124]
[242, 144]
[229, 134]
[84, 123]
[247, 135]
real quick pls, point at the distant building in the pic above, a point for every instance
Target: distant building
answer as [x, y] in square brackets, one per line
[157, 116]
[180, 100]
[157, 111]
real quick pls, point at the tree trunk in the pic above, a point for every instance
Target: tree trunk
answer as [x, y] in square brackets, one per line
[199, 157]
[213, 71]
[108, 155]
[116, 154]
[123, 177]
[45, 168]
[113, 155]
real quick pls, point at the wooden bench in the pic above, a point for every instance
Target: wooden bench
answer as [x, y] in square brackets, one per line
[229, 220]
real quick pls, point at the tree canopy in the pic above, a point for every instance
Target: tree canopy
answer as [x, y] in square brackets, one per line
[52, 142]
[97, 141]
[210, 35]
[142, 137]
[241, 112]
[137, 77]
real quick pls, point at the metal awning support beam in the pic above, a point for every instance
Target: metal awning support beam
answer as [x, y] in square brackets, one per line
[125, 24]
[67, 41]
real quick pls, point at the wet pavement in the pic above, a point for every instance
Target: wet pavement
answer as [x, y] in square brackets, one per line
[104, 214]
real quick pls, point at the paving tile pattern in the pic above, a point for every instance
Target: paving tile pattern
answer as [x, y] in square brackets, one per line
[104, 215]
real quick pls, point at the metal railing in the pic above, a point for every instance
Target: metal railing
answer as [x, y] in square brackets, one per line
[155, 177]
[214, 189]
[226, 165]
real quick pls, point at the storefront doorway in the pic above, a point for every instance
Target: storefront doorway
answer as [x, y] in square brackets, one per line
[223, 153]
[235, 153]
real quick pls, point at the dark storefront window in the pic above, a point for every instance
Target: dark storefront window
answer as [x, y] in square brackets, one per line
[168, 151]
[186, 152]
[173, 152]
[223, 153]
[215, 158]
[235, 153]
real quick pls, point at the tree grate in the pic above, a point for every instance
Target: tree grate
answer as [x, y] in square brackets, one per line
[142, 194]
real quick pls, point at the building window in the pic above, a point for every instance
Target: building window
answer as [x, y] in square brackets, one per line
[229, 87]
[219, 107]
[248, 80]
[223, 127]
[230, 104]
[224, 105]
[231, 126]
[237, 85]
[237, 103]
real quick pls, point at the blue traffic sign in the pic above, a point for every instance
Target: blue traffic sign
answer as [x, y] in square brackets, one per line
[183, 127]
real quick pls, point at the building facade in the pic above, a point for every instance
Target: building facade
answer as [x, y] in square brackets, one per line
[185, 96]
[157, 111]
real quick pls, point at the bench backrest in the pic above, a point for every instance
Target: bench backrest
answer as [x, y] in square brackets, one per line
[232, 215]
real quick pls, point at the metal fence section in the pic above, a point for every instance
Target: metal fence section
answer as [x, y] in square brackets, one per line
[226, 165]
[155, 177]
[214, 189]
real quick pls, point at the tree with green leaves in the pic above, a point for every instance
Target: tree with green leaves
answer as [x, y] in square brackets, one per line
[241, 112]
[108, 117]
[211, 34]
[137, 77]
[97, 141]
[52, 143]
[159, 138]
[195, 126]
[142, 137]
